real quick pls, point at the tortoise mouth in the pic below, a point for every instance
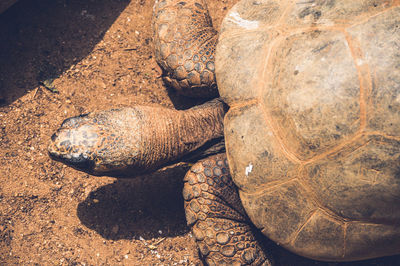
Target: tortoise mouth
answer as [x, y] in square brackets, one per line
[80, 162]
[65, 152]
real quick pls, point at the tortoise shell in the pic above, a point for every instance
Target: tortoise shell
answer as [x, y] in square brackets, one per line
[313, 130]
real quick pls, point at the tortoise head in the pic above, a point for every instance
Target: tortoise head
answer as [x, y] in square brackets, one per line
[75, 143]
[102, 143]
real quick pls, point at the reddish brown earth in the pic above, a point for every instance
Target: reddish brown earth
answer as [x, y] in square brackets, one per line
[91, 55]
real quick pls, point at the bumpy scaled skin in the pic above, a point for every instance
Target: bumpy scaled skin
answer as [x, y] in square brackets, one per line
[131, 141]
[185, 41]
[313, 131]
[219, 222]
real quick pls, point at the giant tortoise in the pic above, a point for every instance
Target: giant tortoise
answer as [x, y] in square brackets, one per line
[312, 134]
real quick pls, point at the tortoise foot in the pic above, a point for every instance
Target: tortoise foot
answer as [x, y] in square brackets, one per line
[219, 224]
[184, 42]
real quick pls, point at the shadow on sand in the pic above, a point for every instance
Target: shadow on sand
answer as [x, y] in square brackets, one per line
[42, 38]
[143, 206]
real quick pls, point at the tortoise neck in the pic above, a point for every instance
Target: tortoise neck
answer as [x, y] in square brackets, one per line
[203, 122]
[179, 133]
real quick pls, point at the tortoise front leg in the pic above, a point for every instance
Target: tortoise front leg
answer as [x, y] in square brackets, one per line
[219, 223]
[184, 42]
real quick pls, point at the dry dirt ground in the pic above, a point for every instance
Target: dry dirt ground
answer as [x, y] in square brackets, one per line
[63, 58]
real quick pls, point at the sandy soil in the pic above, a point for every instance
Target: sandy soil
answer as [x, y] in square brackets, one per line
[63, 58]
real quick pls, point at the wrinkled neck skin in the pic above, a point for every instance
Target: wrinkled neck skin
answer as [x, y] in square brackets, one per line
[133, 141]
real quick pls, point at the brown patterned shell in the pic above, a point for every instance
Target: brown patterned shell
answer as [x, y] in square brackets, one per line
[313, 130]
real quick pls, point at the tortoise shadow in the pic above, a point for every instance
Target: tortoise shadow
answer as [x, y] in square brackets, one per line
[182, 102]
[43, 38]
[148, 206]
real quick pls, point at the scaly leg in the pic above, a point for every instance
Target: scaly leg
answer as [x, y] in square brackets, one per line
[219, 223]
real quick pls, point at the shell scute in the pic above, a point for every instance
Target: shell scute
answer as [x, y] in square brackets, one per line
[312, 134]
